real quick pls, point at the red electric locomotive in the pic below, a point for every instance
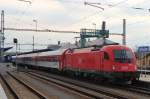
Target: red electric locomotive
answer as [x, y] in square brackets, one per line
[110, 62]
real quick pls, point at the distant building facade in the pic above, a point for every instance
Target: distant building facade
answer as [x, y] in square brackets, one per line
[143, 57]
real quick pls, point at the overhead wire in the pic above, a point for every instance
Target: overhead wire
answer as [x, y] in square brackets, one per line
[22, 12]
[95, 13]
[68, 1]
[138, 8]
[25, 10]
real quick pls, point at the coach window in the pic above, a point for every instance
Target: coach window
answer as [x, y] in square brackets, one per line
[106, 56]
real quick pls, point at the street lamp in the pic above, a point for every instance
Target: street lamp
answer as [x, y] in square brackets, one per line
[94, 24]
[33, 44]
[35, 24]
[35, 30]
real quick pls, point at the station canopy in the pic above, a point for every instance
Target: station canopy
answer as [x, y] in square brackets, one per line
[100, 42]
[5, 49]
[96, 42]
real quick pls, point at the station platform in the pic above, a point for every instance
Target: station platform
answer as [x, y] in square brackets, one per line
[145, 77]
[2, 93]
[2, 70]
[144, 71]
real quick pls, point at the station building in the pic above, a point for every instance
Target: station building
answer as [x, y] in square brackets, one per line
[143, 57]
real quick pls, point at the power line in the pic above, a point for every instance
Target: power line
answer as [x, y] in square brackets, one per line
[26, 1]
[94, 5]
[138, 8]
[69, 1]
[42, 30]
[84, 18]
[26, 44]
[123, 1]
[95, 13]
[24, 9]
[135, 23]
[49, 30]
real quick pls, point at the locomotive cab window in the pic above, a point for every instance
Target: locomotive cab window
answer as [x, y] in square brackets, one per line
[123, 56]
[106, 56]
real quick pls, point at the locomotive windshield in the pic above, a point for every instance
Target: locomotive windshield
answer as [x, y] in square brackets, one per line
[123, 56]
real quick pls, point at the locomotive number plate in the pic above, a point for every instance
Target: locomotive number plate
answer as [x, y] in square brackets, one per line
[124, 68]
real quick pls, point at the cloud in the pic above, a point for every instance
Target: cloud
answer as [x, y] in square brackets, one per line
[73, 15]
[137, 2]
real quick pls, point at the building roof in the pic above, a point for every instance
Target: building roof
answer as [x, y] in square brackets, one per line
[100, 42]
[97, 42]
[5, 49]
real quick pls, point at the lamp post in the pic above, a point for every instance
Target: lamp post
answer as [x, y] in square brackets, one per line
[33, 43]
[35, 30]
[35, 24]
[94, 24]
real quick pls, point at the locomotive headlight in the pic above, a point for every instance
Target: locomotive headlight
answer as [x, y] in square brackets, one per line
[113, 67]
[135, 67]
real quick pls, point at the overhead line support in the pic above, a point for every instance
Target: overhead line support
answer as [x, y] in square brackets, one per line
[92, 4]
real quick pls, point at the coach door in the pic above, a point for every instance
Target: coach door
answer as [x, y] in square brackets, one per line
[101, 61]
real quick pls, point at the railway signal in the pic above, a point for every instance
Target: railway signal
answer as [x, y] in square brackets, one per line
[16, 43]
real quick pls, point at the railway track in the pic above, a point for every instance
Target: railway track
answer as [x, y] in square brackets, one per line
[140, 89]
[5, 83]
[142, 84]
[129, 89]
[137, 89]
[78, 89]
[134, 89]
[20, 89]
[88, 90]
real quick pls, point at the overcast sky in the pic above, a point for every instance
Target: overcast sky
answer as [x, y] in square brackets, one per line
[74, 15]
